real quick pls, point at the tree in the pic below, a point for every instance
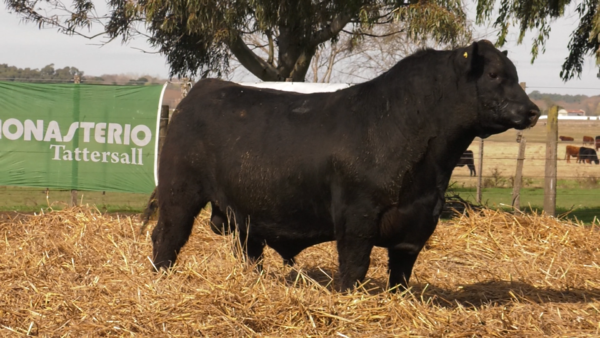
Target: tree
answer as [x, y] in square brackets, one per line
[47, 74]
[199, 37]
[362, 60]
[537, 15]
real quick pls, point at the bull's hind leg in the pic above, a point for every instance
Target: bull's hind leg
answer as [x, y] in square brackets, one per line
[177, 212]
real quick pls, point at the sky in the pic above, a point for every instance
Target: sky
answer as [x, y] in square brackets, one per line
[24, 45]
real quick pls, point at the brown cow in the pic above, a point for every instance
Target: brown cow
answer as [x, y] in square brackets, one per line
[566, 138]
[572, 151]
[588, 140]
[597, 142]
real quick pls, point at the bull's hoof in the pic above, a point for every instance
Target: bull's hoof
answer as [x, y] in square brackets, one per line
[161, 266]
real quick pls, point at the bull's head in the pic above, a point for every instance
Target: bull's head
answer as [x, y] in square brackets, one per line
[502, 103]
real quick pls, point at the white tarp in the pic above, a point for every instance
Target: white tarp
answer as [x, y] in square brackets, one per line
[299, 87]
[574, 118]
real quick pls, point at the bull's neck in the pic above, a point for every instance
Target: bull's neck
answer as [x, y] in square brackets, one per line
[428, 106]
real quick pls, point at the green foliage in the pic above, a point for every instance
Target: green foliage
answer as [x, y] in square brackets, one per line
[443, 23]
[202, 36]
[277, 39]
[47, 74]
[536, 16]
[273, 39]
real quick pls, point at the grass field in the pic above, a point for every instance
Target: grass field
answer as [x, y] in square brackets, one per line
[25, 199]
[573, 204]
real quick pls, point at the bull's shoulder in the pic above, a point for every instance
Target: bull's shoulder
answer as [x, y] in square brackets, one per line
[207, 85]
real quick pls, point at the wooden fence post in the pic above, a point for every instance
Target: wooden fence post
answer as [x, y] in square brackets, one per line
[550, 170]
[479, 179]
[516, 201]
[518, 179]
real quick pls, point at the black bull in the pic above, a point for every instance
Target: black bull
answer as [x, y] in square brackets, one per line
[467, 160]
[587, 155]
[365, 166]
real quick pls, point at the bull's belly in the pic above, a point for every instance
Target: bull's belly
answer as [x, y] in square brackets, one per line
[291, 235]
[292, 230]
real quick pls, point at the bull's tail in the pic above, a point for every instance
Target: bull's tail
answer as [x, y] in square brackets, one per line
[150, 210]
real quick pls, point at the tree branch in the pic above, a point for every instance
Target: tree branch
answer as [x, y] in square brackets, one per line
[251, 61]
[301, 66]
[270, 60]
[144, 51]
[331, 30]
[376, 35]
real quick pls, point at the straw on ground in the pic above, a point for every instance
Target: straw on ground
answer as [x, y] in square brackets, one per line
[80, 272]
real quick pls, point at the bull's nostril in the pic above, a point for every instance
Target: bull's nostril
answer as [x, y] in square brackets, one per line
[533, 113]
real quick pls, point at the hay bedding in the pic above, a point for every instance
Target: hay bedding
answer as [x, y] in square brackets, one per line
[82, 273]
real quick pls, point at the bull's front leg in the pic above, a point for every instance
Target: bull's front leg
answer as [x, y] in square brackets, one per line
[416, 223]
[355, 232]
[174, 226]
[402, 258]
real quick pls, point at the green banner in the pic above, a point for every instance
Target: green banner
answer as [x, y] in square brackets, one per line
[77, 136]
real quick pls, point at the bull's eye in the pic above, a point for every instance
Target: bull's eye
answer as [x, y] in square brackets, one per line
[493, 75]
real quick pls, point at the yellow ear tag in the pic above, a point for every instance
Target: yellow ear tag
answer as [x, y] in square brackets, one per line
[465, 55]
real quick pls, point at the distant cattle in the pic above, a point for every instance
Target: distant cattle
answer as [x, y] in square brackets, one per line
[566, 138]
[597, 143]
[587, 155]
[467, 160]
[364, 166]
[588, 140]
[571, 151]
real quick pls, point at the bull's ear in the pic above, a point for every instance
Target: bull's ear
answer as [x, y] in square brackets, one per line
[505, 52]
[469, 61]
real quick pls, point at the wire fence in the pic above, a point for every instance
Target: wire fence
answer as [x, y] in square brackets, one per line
[498, 172]
[180, 80]
[91, 80]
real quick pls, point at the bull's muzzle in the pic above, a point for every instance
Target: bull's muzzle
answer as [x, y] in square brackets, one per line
[533, 116]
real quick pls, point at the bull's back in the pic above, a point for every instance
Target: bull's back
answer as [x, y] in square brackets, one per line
[262, 149]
